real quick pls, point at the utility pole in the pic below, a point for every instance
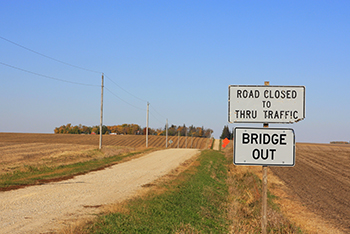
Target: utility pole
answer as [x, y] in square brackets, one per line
[166, 133]
[191, 139]
[178, 140]
[147, 120]
[101, 117]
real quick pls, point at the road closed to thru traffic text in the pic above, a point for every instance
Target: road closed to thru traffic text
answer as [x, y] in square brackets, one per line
[266, 104]
[264, 146]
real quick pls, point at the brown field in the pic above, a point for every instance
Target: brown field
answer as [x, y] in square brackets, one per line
[19, 150]
[320, 181]
[108, 140]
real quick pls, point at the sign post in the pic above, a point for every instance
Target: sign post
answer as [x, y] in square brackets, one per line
[265, 146]
[264, 183]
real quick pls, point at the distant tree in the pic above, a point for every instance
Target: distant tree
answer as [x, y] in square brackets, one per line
[75, 130]
[134, 129]
[208, 132]
[226, 133]
[191, 130]
[183, 130]
[172, 130]
[95, 129]
[85, 130]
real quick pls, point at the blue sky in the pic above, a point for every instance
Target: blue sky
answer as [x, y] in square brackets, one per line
[181, 56]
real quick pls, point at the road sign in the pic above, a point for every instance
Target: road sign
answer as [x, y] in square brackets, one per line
[264, 146]
[266, 104]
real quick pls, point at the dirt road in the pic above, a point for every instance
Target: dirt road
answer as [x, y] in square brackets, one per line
[321, 180]
[45, 208]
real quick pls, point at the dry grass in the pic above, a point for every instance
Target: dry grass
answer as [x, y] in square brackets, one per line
[290, 213]
[244, 207]
[20, 157]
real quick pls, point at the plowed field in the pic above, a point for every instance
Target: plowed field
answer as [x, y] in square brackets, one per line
[118, 140]
[321, 180]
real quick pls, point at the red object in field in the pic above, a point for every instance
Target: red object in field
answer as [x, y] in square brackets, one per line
[225, 142]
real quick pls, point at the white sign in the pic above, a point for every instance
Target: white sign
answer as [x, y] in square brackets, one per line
[264, 146]
[266, 104]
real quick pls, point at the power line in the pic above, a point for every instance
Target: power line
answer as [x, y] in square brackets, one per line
[45, 76]
[124, 100]
[57, 60]
[156, 118]
[157, 112]
[77, 83]
[125, 89]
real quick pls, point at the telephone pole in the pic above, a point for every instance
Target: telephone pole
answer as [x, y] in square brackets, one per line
[101, 117]
[186, 137]
[166, 133]
[147, 120]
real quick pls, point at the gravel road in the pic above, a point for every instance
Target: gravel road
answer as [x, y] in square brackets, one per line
[216, 145]
[45, 208]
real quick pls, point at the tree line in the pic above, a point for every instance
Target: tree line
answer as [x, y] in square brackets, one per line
[226, 133]
[135, 129]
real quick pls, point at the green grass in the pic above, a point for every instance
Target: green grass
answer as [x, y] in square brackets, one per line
[195, 202]
[36, 175]
[212, 143]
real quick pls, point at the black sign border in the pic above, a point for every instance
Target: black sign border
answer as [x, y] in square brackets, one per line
[260, 164]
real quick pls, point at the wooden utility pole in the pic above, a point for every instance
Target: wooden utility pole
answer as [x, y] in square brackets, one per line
[264, 190]
[191, 140]
[147, 120]
[101, 117]
[166, 133]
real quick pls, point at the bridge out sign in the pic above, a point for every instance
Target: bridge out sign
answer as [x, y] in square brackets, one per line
[266, 104]
[264, 146]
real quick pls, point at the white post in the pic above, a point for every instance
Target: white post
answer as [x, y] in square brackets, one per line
[166, 133]
[147, 120]
[101, 117]
[191, 140]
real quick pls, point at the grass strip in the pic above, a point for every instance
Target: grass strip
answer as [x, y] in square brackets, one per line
[43, 174]
[194, 202]
[212, 143]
